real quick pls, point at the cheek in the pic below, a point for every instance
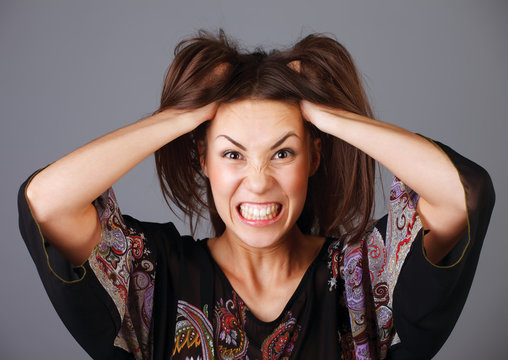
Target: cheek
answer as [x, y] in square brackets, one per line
[223, 182]
[295, 180]
[220, 173]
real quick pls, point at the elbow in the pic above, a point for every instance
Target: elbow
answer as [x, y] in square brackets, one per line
[479, 190]
[476, 181]
[489, 195]
[37, 205]
[42, 204]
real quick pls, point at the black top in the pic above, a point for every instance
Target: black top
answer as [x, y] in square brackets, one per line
[146, 292]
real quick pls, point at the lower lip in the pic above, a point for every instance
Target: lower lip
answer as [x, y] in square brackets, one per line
[260, 222]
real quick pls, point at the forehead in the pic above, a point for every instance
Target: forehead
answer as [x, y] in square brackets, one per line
[257, 117]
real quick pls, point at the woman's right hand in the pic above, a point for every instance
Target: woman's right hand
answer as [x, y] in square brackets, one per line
[187, 120]
[61, 195]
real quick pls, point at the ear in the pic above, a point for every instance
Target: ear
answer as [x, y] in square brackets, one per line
[202, 156]
[316, 156]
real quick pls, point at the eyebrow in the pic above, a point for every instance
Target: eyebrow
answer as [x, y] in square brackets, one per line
[276, 144]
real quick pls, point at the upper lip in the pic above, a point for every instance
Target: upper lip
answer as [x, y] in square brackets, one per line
[258, 203]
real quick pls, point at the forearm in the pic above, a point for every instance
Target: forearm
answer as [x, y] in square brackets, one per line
[70, 184]
[415, 160]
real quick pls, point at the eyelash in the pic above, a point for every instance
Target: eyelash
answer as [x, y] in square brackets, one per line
[230, 153]
[287, 152]
[235, 155]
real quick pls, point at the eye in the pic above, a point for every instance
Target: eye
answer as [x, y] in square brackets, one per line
[283, 154]
[233, 155]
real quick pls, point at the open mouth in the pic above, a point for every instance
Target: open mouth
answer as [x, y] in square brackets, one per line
[256, 212]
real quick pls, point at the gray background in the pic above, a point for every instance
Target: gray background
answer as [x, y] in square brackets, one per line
[74, 70]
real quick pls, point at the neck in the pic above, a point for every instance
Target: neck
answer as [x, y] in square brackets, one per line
[265, 266]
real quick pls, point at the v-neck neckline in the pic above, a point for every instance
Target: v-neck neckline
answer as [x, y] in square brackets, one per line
[292, 299]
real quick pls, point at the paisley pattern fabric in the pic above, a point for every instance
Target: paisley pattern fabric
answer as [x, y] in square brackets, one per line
[146, 292]
[280, 344]
[370, 269]
[230, 337]
[124, 267]
[194, 333]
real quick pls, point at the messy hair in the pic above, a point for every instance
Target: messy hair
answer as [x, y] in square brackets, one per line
[212, 68]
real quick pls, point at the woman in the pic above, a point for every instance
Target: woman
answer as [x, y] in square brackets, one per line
[280, 149]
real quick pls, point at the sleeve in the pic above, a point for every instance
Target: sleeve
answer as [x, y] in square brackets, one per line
[428, 298]
[106, 303]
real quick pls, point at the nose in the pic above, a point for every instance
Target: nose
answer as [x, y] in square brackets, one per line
[258, 180]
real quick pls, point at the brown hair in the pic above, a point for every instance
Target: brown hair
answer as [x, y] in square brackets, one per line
[209, 68]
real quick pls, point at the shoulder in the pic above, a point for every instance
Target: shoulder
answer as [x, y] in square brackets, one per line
[155, 231]
[164, 238]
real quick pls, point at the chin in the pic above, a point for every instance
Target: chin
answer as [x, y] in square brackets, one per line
[262, 238]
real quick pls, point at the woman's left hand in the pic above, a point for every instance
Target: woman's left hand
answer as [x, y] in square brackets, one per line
[325, 118]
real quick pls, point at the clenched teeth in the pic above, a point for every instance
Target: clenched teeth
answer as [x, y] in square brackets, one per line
[259, 212]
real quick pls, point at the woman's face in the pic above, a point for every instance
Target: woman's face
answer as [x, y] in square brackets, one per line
[258, 160]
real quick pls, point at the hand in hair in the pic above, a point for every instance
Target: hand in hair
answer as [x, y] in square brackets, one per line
[326, 118]
[418, 162]
[186, 120]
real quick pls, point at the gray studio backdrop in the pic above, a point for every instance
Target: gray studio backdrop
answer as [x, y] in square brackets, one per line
[74, 70]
